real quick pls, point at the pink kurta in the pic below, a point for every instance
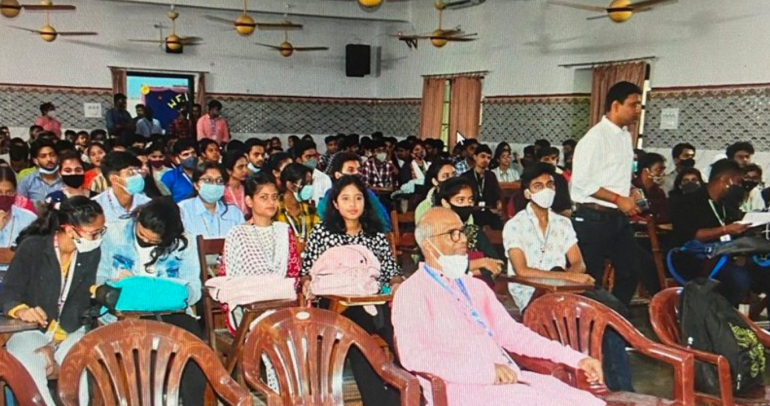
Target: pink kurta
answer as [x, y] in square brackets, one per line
[435, 334]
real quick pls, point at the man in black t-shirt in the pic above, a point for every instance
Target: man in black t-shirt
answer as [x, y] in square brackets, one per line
[709, 215]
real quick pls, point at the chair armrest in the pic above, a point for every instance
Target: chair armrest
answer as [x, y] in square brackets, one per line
[565, 373]
[405, 382]
[438, 388]
[273, 399]
[723, 370]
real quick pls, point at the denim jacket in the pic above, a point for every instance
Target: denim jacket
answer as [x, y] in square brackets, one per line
[119, 254]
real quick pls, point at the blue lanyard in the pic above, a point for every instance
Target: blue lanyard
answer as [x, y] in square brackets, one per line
[468, 303]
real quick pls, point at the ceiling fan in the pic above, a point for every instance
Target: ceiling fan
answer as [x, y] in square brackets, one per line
[440, 36]
[618, 11]
[245, 25]
[286, 49]
[173, 43]
[12, 8]
[49, 34]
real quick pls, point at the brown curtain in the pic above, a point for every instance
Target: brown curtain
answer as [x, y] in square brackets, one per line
[432, 107]
[464, 108]
[200, 95]
[118, 80]
[604, 77]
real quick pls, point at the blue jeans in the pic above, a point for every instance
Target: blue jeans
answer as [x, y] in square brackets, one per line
[615, 363]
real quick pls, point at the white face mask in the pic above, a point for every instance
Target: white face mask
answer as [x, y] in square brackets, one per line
[544, 198]
[83, 245]
[51, 114]
[452, 266]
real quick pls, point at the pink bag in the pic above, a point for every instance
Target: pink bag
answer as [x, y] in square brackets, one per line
[349, 270]
[241, 290]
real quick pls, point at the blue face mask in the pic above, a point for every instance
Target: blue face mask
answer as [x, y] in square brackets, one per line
[310, 163]
[305, 194]
[211, 193]
[189, 163]
[253, 168]
[134, 184]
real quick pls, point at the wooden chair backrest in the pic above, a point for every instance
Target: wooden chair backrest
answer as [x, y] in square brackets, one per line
[664, 308]
[208, 247]
[140, 363]
[16, 377]
[658, 255]
[403, 225]
[307, 347]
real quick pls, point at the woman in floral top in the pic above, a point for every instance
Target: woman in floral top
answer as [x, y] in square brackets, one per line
[292, 210]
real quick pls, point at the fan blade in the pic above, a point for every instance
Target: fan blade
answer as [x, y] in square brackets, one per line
[76, 33]
[192, 44]
[9, 7]
[38, 7]
[191, 39]
[598, 17]
[306, 49]
[279, 26]
[649, 3]
[461, 35]
[269, 46]
[26, 29]
[219, 20]
[152, 41]
[578, 6]
[455, 39]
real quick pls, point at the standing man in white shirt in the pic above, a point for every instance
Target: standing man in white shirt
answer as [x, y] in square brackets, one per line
[601, 188]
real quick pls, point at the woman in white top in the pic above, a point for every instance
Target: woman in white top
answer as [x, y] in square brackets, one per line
[505, 172]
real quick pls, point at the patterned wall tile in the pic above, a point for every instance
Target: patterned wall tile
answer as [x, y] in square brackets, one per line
[711, 117]
[525, 119]
[20, 106]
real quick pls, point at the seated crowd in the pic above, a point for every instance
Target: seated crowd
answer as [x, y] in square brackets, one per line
[85, 209]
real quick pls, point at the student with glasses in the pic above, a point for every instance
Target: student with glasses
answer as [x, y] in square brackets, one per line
[73, 177]
[48, 283]
[126, 185]
[206, 213]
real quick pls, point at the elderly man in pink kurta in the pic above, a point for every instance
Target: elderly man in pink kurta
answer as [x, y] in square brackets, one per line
[451, 325]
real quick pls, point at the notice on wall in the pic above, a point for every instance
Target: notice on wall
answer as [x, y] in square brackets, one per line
[92, 110]
[669, 119]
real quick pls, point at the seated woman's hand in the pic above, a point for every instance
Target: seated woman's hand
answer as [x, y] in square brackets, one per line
[33, 315]
[504, 375]
[306, 289]
[493, 265]
[593, 369]
[583, 278]
[48, 351]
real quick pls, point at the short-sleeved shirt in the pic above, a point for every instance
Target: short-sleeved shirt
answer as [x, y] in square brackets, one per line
[113, 211]
[34, 188]
[198, 220]
[178, 183]
[542, 252]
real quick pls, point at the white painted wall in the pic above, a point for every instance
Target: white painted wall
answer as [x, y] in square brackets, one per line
[697, 42]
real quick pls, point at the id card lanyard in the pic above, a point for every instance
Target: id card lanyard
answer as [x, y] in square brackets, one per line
[66, 284]
[726, 237]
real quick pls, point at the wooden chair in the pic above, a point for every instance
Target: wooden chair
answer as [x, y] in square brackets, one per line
[403, 225]
[657, 254]
[140, 363]
[15, 376]
[663, 316]
[580, 323]
[307, 348]
[215, 332]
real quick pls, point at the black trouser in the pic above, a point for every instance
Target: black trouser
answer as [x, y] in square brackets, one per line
[193, 385]
[374, 391]
[608, 235]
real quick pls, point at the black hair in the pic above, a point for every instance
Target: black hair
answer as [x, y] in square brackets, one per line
[752, 168]
[648, 160]
[299, 148]
[377, 143]
[98, 132]
[274, 162]
[150, 187]
[542, 144]
[739, 146]
[684, 172]
[534, 171]
[77, 211]
[544, 152]
[18, 152]
[449, 188]
[38, 145]
[118, 97]
[569, 143]
[46, 107]
[436, 143]
[723, 166]
[482, 148]
[235, 146]
[294, 173]
[183, 145]
[404, 144]
[432, 173]
[231, 158]
[338, 161]
[137, 151]
[68, 156]
[293, 138]
[377, 135]
[329, 139]
[215, 104]
[619, 92]
[679, 148]
[35, 127]
[201, 169]
[307, 137]
[370, 223]
[64, 146]
[155, 146]
[95, 145]
[115, 161]
[529, 150]
[415, 144]
[204, 143]
[6, 174]
[350, 141]
[499, 149]
[366, 143]
[254, 183]
[251, 143]
[161, 216]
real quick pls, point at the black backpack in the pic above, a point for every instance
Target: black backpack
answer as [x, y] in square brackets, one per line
[709, 323]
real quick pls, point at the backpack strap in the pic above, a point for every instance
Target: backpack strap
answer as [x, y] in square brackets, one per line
[680, 280]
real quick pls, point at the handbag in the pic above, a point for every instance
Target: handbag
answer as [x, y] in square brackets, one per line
[348, 270]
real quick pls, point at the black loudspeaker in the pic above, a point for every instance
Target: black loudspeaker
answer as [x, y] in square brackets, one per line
[358, 60]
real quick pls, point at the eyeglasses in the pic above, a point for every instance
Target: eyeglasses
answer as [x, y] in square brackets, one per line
[92, 234]
[213, 181]
[454, 234]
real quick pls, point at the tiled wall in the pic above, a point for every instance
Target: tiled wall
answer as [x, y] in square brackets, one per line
[525, 119]
[20, 106]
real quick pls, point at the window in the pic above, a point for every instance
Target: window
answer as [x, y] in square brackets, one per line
[445, 114]
[164, 94]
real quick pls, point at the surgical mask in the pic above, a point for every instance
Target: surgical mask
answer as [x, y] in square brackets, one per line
[51, 114]
[304, 194]
[452, 266]
[134, 184]
[543, 198]
[311, 163]
[83, 245]
[253, 168]
[49, 171]
[687, 163]
[463, 211]
[658, 180]
[73, 181]
[690, 187]
[189, 163]
[381, 156]
[6, 202]
[749, 185]
[211, 193]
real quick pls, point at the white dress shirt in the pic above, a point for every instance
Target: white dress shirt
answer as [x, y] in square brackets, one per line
[604, 158]
[321, 183]
[754, 202]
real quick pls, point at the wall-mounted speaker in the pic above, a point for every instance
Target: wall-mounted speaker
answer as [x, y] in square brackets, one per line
[358, 60]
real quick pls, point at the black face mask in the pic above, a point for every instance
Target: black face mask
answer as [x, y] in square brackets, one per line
[687, 163]
[140, 242]
[73, 181]
[690, 187]
[749, 185]
[734, 195]
[463, 212]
